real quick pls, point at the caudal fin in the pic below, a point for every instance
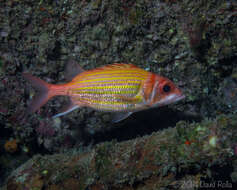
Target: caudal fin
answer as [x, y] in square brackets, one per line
[42, 95]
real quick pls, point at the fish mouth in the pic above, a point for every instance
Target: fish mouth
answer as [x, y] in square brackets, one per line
[174, 98]
[169, 100]
[179, 98]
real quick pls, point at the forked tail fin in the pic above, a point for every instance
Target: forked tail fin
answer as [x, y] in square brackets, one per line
[43, 92]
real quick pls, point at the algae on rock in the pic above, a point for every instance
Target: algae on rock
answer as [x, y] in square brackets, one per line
[163, 159]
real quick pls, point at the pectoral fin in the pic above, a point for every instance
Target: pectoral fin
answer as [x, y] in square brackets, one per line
[135, 99]
[67, 109]
[117, 117]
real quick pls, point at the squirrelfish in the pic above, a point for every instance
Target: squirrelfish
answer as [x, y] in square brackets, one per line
[118, 87]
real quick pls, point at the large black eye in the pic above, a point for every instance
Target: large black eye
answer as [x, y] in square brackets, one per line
[166, 88]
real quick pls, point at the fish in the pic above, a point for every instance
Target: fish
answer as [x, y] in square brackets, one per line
[119, 87]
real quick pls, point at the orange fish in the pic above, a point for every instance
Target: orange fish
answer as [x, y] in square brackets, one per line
[121, 88]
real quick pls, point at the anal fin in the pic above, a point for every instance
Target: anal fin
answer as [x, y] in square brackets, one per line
[67, 109]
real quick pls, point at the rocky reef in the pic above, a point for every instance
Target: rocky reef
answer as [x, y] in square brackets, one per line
[184, 157]
[194, 43]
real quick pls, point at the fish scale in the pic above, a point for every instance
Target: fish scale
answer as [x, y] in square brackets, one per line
[100, 89]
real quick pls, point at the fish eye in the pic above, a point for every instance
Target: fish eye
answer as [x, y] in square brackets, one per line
[166, 88]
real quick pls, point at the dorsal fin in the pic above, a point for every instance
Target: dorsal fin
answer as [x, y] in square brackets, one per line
[110, 67]
[117, 66]
[72, 69]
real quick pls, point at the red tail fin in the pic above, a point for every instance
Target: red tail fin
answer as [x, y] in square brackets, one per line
[43, 92]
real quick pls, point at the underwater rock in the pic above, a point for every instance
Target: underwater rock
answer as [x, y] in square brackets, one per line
[152, 161]
[194, 43]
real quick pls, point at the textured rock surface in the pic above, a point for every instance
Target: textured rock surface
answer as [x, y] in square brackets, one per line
[194, 43]
[167, 159]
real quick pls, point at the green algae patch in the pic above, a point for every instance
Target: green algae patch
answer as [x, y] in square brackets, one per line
[103, 161]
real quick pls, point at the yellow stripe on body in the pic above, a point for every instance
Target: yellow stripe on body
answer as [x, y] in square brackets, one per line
[111, 96]
[109, 90]
[99, 73]
[103, 79]
[108, 85]
[109, 72]
[109, 103]
[129, 93]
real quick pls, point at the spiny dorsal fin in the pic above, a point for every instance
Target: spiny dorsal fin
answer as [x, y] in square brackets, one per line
[117, 66]
[110, 67]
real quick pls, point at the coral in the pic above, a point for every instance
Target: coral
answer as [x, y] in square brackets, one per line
[11, 146]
